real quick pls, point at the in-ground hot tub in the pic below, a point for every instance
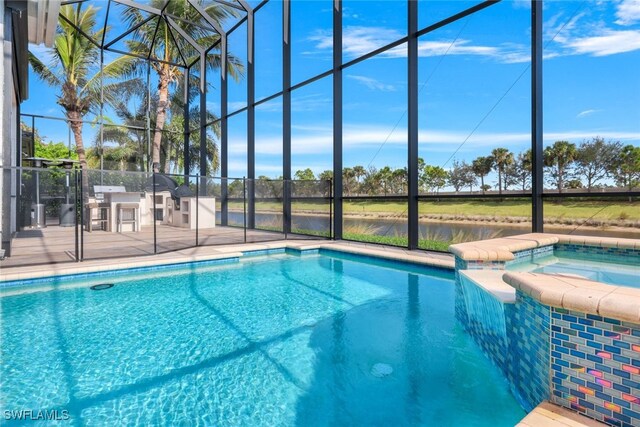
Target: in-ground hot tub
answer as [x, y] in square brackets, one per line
[613, 265]
[566, 337]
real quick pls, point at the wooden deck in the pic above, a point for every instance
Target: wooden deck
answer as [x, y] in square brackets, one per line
[55, 244]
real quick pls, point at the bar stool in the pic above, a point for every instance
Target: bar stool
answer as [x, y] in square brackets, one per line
[121, 208]
[103, 218]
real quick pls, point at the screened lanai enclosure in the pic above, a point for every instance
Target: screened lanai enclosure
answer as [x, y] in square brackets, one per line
[162, 125]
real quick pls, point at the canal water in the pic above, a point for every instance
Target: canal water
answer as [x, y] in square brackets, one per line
[428, 230]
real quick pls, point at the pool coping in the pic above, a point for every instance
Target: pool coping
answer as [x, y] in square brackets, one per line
[211, 253]
[557, 290]
[548, 414]
[574, 293]
[502, 249]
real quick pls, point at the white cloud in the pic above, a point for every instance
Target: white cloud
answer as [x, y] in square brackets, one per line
[584, 36]
[460, 47]
[586, 113]
[628, 12]
[580, 135]
[358, 41]
[521, 4]
[609, 42]
[558, 30]
[575, 37]
[372, 84]
[236, 105]
[272, 106]
[310, 102]
[213, 106]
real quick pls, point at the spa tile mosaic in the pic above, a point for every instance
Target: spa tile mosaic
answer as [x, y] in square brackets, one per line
[530, 255]
[483, 316]
[595, 364]
[597, 253]
[514, 336]
[528, 323]
[479, 265]
[584, 362]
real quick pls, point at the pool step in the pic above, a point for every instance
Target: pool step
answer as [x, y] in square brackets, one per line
[547, 414]
[491, 281]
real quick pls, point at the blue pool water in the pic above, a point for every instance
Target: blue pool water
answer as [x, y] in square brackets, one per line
[600, 271]
[277, 340]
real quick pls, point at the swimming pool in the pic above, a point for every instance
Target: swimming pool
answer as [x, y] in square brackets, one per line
[597, 270]
[275, 340]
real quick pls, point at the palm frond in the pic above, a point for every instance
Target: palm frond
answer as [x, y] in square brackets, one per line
[43, 71]
[122, 67]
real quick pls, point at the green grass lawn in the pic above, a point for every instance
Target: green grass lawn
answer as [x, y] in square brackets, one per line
[603, 210]
[433, 245]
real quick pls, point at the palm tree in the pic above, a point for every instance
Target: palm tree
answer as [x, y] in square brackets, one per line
[131, 109]
[360, 172]
[73, 58]
[558, 158]
[174, 136]
[326, 175]
[626, 168]
[165, 50]
[501, 158]
[348, 180]
[481, 168]
[400, 177]
[385, 176]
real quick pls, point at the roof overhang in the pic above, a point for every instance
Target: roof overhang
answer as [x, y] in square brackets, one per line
[42, 20]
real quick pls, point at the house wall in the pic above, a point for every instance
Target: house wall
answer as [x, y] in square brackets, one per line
[9, 131]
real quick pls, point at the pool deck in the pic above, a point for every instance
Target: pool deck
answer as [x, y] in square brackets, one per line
[547, 414]
[54, 244]
[205, 253]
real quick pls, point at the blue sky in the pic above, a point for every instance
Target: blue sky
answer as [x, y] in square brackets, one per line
[474, 82]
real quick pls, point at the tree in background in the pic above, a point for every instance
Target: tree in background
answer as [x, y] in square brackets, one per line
[626, 168]
[594, 159]
[399, 178]
[349, 182]
[558, 159]
[73, 57]
[461, 175]
[326, 175]
[304, 175]
[385, 178]
[129, 139]
[164, 49]
[434, 177]
[371, 182]
[501, 158]
[574, 184]
[481, 167]
[359, 172]
[519, 173]
[268, 187]
[49, 150]
[236, 188]
[175, 145]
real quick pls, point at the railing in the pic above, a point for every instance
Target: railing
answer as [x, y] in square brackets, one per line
[58, 215]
